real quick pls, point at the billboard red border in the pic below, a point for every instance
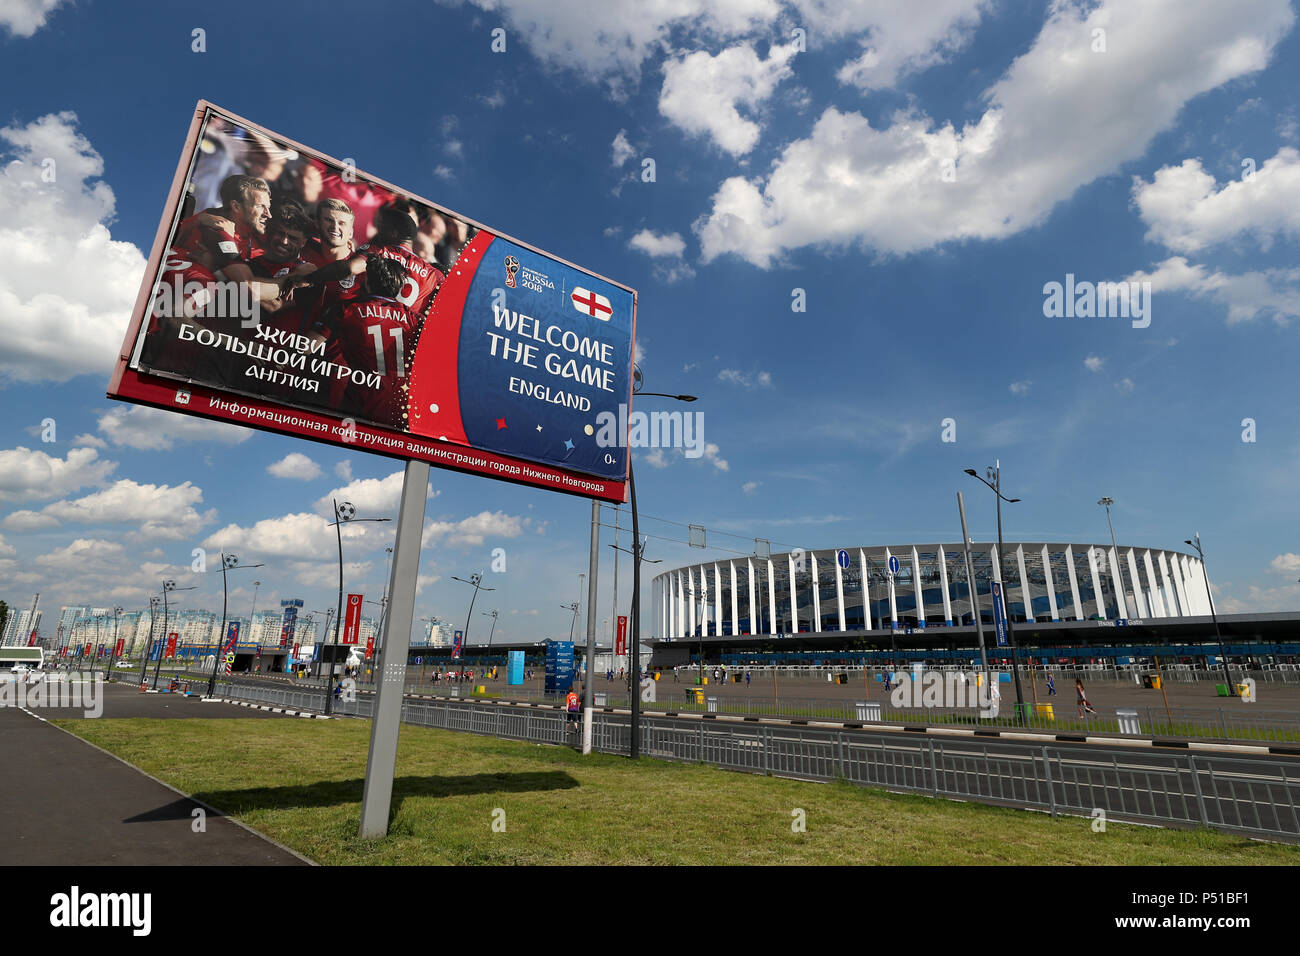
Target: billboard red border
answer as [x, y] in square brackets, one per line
[267, 416]
[130, 386]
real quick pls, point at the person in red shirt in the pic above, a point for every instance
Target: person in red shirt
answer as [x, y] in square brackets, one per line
[188, 292]
[373, 333]
[246, 204]
[334, 242]
[572, 704]
[397, 228]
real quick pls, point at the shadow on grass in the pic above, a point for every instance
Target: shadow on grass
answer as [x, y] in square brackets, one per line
[331, 793]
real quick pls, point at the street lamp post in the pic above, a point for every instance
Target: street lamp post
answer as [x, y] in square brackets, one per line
[492, 614]
[1223, 655]
[228, 563]
[113, 660]
[144, 658]
[475, 579]
[995, 485]
[343, 511]
[1112, 562]
[634, 638]
[168, 587]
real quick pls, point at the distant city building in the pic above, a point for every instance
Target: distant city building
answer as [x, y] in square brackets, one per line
[19, 627]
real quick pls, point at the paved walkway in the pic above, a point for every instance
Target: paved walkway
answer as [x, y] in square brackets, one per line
[66, 802]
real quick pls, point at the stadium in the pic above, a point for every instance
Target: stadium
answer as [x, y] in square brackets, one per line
[915, 600]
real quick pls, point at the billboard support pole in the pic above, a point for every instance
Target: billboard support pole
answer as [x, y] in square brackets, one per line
[381, 764]
[591, 625]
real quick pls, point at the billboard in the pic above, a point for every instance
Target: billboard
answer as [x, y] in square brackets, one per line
[289, 292]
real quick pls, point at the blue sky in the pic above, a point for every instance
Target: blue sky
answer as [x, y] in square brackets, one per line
[920, 174]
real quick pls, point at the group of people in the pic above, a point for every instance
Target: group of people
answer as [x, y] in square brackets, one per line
[323, 259]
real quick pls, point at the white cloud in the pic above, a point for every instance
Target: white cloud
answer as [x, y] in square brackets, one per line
[301, 535]
[1094, 363]
[901, 37]
[712, 457]
[475, 529]
[609, 40]
[372, 497]
[1020, 388]
[67, 287]
[1059, 118]
[1283, 564]
[6, 550]
[22, 18]
[702, 93]
[1274, 292]
[30, 521]
[443, 172]
[344, 470]
[1125, 385]
[656, 245]
[325, 574]
[750, 487]
[424, 580]
[27, 475]
[295, 465]
[159, 511]
[154, 429]
[89, 441]
[622, 149]
[735, 377]
[1185, 212]
[655, 458]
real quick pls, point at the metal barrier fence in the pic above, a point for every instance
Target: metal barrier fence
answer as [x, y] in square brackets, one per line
[1258, 797]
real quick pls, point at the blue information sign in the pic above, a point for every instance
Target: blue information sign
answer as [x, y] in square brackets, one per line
[999, 615]
[893, 564]
[559, 666]
[515, 669]
[842, 558]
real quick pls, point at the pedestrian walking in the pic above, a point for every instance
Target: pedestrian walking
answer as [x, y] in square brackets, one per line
[746, 678]
[571, 705]
[1051, 686]
[1083, 699]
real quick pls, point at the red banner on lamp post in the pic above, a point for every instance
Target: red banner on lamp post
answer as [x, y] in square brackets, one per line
[620, 645]
[352, 622]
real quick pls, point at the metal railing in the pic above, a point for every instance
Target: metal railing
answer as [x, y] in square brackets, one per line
[1258, 797]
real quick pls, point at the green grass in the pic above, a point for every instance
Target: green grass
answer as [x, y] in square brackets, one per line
[300, 782]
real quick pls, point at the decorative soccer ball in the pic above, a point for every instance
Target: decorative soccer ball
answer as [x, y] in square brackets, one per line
[230, 560]
[346, 511]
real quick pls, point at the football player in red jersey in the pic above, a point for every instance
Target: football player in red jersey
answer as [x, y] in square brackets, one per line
[397, 228]
[246, 203]
[334, 224]
[282, 256]
[191, 290]
[374, 332]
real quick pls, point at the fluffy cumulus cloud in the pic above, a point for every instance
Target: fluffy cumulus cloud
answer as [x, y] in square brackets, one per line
[1060, 117]
[153, 429]
[656, 245]
[302, 535]
[897, 36]
[295, 465]
[1273, 293]
[1286, 563]
[1094, 363]
[22, 18]
[372, 497]
[703, 94]
[27, 475]
[157, 511]
[65, 275]
[475, 529]
[609, 40]
[1185, 211]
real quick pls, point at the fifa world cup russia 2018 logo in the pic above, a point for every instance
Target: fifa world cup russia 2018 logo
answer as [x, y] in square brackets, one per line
[512, 269]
